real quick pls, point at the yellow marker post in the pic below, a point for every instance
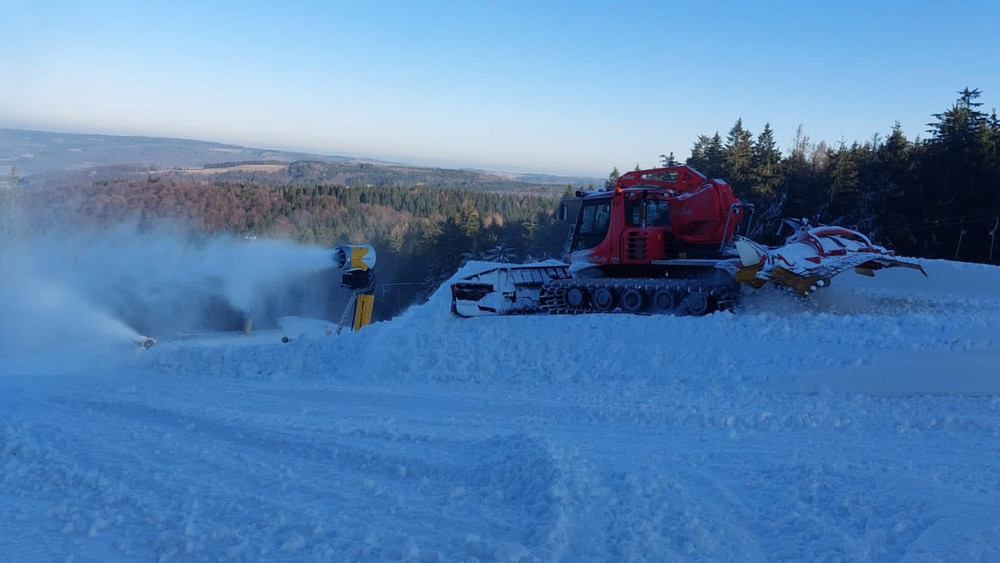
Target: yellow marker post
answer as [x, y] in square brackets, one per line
[363, 310]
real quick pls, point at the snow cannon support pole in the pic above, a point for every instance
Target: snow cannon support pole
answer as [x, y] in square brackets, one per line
[357, 262]
[247, 322]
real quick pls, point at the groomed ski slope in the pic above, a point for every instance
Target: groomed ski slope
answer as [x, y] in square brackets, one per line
[864, 426]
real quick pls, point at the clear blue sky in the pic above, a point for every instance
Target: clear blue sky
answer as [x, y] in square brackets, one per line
[563, 87]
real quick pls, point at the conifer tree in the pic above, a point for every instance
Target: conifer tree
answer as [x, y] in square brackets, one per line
[699, 159]
[667, 160]
[766, 176]
[843, 185]
[960, 125]
[708, 156]
[715, 157]
[612, 179]
[800, 177]
[884, 204]
[529, 230]
[739, 157]
[961, 161]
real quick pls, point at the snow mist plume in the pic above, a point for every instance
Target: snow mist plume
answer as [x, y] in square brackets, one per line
[116, 284]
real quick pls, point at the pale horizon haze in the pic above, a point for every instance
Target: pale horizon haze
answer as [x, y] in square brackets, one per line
[550, 87]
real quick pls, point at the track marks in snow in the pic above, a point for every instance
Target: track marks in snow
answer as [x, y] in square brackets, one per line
[246, 485]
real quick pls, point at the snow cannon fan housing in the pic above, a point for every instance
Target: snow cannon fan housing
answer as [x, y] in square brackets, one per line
[354, 257]
[357, 261]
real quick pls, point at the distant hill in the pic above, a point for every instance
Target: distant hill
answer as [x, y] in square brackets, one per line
[362, 174]
[46, 158]
[41, 152]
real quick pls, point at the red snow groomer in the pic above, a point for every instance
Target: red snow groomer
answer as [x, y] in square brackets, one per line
[665, 241]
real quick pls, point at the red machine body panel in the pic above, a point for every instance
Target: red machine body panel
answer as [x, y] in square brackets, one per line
[655, 215]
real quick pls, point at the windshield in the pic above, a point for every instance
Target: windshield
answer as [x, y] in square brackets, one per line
[595, 217]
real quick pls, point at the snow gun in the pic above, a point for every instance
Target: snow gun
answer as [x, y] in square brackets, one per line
[357, 262]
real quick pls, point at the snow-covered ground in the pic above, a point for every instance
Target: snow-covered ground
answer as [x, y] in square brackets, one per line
[862, 427]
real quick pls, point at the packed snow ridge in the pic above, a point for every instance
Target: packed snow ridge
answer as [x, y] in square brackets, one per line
[860, 425]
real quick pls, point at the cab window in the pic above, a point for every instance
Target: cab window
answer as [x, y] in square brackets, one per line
[595, 218]
[647, 212]
[657, 213]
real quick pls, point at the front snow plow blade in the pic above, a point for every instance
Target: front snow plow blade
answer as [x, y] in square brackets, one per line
[510, 290]
[812, 256]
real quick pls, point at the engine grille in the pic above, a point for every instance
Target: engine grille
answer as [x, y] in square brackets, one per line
[635, 246]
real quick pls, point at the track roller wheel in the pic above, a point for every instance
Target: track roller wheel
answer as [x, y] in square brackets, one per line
[632, 300]
[663, 301]
[696, 303]
[603, 299]
[576, 297]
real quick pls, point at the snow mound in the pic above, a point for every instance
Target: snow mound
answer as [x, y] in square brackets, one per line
[428, 344]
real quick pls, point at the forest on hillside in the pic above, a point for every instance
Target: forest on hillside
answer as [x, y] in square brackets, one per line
[352, 174]
[937, 197]
[422, 234]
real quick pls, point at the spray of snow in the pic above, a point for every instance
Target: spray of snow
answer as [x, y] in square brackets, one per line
[110, 287]
[47, 313]
[252, 267]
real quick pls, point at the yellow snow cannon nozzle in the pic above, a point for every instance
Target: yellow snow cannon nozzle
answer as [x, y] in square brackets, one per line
[354, 257]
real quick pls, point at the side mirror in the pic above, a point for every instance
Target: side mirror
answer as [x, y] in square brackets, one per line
[568, 210]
